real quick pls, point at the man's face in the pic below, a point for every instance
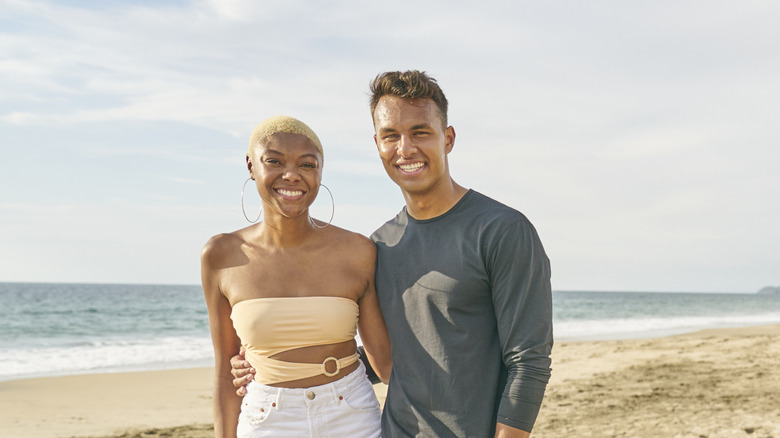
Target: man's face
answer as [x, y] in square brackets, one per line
[413, 144]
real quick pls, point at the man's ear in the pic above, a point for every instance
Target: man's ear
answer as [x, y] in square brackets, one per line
[449, 139]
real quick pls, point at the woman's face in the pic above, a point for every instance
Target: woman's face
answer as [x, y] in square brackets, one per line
[287, 169]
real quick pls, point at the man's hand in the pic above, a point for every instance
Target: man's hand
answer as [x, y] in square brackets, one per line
[504, 431]
[243, 373]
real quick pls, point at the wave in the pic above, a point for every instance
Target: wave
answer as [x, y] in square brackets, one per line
[621, 328]
[106, 356]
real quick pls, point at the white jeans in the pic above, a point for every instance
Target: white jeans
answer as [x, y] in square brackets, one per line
[345, 408]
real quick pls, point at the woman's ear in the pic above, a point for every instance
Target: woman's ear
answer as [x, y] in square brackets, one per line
[249, 166]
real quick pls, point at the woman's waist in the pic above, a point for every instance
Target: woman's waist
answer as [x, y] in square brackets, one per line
[343, 385]
[303, 367]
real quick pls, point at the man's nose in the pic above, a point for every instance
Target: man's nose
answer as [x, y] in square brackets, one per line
[406, 146]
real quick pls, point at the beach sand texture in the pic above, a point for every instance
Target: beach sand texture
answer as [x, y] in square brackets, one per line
[714, 383]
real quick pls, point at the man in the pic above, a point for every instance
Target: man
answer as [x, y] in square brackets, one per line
[463, 283]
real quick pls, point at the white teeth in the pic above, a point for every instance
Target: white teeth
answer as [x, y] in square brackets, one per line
[290, 192]
[411, 167]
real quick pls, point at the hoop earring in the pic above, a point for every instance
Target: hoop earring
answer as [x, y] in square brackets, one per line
[332, 209]
[242, 203]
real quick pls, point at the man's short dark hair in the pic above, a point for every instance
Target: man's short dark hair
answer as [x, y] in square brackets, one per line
[410, 84]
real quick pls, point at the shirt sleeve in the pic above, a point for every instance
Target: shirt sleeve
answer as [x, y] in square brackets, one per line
[520, 282]
[372, 377]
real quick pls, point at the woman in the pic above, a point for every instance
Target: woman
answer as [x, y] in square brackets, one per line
[289, 290]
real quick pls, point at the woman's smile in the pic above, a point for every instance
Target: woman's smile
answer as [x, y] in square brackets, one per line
[290, 193]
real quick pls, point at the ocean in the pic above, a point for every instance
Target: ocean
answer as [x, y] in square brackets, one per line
[59, 329]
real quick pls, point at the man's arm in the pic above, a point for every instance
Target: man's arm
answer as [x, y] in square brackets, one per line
[522, 299]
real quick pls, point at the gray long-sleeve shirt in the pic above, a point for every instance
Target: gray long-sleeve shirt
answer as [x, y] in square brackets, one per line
[466, 297]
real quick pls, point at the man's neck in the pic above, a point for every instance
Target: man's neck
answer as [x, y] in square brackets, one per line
[422, 206]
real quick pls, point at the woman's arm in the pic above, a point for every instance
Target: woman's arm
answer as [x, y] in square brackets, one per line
[227, 405]
[373, 333]
[371, 324]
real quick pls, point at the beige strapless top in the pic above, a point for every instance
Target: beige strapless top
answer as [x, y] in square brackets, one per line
[268, 326]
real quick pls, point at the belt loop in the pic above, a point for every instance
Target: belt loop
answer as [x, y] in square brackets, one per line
[279, 398]
[335, 391]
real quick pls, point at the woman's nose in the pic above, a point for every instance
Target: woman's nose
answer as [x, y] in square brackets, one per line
[291, 174]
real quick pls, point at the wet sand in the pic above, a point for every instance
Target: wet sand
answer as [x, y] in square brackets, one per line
[709, 384]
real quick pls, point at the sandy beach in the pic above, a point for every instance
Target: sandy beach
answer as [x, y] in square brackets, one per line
[709, 384]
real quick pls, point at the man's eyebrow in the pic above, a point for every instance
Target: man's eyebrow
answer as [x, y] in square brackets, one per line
[418, 126]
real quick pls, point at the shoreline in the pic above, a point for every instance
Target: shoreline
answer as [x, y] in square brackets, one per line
[721, 382]
[206, 363]
[660, 333]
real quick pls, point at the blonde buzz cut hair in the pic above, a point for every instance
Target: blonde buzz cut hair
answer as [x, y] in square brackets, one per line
[283, 124]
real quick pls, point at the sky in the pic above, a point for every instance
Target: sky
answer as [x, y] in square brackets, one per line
[640, 138]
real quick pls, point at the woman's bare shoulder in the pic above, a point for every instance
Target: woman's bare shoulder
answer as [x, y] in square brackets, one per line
[356, 248]
[220, 247]
[355, 241]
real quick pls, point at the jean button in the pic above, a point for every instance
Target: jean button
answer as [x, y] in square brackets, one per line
[311, 395]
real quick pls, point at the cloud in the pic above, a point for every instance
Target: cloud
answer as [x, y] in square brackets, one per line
[627, 132]
[20, 118]
[183, 180]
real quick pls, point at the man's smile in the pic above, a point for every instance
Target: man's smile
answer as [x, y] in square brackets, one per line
[411, 167]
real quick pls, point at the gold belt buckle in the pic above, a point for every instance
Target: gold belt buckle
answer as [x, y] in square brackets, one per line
[325, 371]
